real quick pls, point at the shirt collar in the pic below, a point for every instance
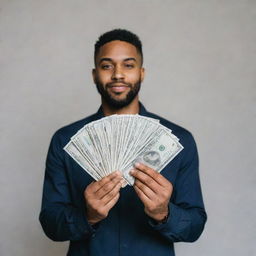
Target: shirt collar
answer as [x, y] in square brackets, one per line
[142, 111]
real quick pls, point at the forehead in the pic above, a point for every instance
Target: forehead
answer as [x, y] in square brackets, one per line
[118, 50]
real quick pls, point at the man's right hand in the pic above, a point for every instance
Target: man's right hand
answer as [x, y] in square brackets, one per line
[101, 196]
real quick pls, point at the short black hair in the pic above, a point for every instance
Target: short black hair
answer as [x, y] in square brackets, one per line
[118, 34]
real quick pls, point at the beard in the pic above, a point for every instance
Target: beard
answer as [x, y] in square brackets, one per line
[118, 103]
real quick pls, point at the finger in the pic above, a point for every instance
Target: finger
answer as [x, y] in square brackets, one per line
[107, 188]
[143, 197]
[111, 194]
[97, 185]
[151, 172]
[112, 202]
[145, 179]
[145, 189]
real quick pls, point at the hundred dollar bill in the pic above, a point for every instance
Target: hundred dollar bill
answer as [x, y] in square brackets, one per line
[157, 154]
[71, 149]
[116, 142]
[85, 145]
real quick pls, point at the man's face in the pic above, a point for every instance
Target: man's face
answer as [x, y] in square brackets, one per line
[118, 73]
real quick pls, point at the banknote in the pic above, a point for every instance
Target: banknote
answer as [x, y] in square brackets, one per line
[117, 142]
[156, 154]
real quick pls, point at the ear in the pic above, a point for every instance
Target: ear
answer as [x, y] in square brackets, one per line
[94, 74]
[142, 74]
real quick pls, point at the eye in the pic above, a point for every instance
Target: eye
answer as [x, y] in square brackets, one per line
[106, 66]
[128, 65]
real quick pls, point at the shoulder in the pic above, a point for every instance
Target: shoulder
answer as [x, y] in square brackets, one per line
[189, 154]
[63, 135]
[185, 137]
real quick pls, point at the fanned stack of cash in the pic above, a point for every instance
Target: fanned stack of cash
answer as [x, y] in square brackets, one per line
[117, 142]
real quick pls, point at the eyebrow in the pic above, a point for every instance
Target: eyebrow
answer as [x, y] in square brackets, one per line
[111, 60]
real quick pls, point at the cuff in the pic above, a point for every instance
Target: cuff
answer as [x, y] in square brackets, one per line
[175, 222]
[80, 223]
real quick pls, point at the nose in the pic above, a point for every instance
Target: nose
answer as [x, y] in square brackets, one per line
[117, 73]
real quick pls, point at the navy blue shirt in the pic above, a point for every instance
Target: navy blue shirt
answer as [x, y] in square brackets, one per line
[127, 230]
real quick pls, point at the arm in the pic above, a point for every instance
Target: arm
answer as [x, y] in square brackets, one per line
[185, 210]
[61, 219]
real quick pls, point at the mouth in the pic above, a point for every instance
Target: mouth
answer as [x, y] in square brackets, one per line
[118, 87]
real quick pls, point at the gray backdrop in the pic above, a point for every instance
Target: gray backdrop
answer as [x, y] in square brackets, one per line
[200, 61]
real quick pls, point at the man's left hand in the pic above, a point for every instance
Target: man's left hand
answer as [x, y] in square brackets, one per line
[154, 191]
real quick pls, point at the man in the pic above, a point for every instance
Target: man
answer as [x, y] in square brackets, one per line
[100, 217]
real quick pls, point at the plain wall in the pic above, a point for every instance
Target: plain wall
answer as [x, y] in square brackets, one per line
[200, 60]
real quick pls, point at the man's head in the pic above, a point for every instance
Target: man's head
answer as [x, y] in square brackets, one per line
[121, 35]
[118, 70]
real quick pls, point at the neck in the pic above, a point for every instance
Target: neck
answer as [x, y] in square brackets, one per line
[132, 108]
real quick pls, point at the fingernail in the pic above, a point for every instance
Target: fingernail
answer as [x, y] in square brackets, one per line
[131, 171]
[137, 164]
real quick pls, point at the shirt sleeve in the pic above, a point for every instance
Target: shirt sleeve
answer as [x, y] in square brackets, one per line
[60, 218]
[187, 215]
